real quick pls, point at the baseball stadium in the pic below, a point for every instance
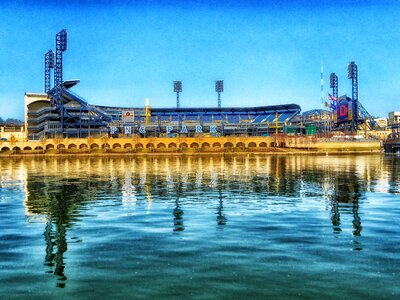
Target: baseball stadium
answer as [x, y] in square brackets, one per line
[63, 119]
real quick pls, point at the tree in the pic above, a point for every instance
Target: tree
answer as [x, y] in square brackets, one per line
[13, 121]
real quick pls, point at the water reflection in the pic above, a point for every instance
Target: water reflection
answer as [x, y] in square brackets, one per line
[178, 212]
[347, 195]
[221, 220]
[61, 190]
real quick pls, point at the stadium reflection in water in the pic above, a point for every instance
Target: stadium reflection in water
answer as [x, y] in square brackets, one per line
[63, 192]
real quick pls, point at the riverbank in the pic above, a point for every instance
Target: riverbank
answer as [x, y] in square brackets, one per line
[199, 153]
[187, 146]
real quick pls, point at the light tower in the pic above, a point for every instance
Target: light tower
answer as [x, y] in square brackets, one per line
[61, 46]
[334, 85]
[219, 88]
[177, 90]
[48, 64]
[352, 73]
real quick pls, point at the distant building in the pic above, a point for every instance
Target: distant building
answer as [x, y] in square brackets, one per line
[394, 121]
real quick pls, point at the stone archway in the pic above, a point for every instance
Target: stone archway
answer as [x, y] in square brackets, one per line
[171, 146]
[263, 144]
[252, 145]
[216, 145]
[205, 146]
[49, 146]
[240, 145]
[71, 146]
[228, 145]
[194, 145]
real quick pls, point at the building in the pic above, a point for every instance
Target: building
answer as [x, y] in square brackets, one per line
[74, 117]
[13, 133]
[394, 121]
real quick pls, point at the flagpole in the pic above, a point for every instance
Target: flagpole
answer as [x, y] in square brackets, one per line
[322, 85]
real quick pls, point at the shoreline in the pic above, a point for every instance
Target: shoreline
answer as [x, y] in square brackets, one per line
[191, 154]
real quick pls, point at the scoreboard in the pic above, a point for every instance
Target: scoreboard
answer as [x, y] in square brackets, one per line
[344, 110]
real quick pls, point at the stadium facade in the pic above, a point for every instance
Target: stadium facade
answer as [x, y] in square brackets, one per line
[75, 117]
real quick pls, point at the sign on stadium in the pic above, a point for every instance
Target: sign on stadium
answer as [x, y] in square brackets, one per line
[128, 116]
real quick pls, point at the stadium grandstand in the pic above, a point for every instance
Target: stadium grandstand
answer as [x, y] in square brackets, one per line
[78, 118]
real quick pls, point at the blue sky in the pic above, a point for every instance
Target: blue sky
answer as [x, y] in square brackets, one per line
[125, 51]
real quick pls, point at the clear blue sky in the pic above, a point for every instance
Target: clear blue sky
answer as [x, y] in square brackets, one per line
[125, 51]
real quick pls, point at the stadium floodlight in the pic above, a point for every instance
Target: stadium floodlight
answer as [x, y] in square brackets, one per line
[351, 69]
[177, 90]
[332, 80]
[63, 39]
[48, 64]
[219, 88]
[177, 86]
[334, 84]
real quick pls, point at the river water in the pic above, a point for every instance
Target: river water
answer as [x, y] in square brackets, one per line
[246, 227]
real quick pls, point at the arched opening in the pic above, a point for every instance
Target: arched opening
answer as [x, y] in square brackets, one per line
[150, 145]
[216, 145]
[71, 146]
[240, 145]
[27, 148]
[194, 145]
[94, 146]
[252, 145]
[83, 146]
[38, 148]
[172, 146]
[139, 146]
[105, 146]
[128, 146]
[16, 148]
[49, 146]
[272, 144]
[228, 145]
[117, 146]
[205, 146]
[161, 146]
[183, 146]
[263, 144]
[5, 149]
[60, 146]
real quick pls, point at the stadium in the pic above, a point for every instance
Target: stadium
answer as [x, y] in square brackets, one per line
[60, 119]
[60, 113]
